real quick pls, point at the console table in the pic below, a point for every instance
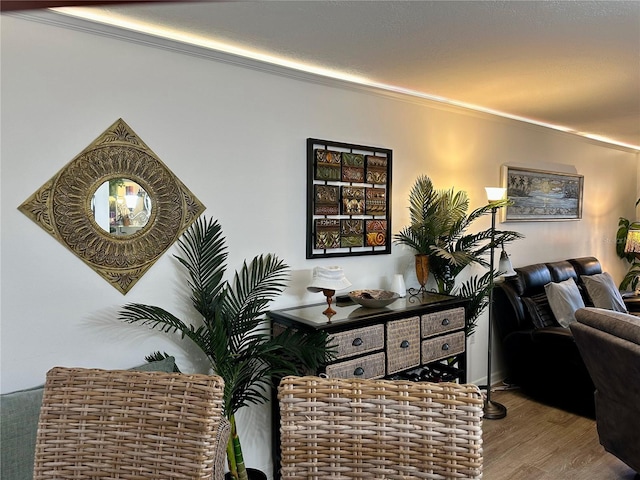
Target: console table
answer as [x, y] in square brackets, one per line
[410, 336]
[411, 333]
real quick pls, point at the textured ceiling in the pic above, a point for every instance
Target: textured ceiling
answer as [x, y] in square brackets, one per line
[568, 63]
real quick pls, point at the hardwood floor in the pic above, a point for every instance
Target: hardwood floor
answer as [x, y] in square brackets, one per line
[538, 442]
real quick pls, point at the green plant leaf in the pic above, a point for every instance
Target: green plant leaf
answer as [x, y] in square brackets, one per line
[439, 227]
[231, 329]
[630, 280]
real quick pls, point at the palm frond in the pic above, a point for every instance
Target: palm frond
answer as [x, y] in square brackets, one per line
[254, 287]
[421, 200]
[452, 207]
[411, 237]
[204, 258]
[476, 289]
[158, 318]
[268, 357]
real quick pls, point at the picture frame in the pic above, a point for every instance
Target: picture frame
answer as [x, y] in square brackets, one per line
[348, 199]
[541, 195]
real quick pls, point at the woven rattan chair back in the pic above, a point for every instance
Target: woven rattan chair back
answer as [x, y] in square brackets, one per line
[105, 424]
[379, 429]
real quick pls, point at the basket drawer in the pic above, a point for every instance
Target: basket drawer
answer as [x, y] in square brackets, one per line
[358, 341]
[403, 344]
[444, 321]
[442, 347]
[369, 366]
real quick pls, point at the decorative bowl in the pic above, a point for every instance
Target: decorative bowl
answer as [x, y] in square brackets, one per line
[373, 298]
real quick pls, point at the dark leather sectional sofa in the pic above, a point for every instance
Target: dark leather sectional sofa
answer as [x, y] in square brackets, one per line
[541, 356]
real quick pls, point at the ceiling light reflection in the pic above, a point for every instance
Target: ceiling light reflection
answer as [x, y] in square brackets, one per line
[122, 22]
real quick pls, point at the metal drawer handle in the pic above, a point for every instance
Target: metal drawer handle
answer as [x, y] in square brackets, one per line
[358, 372]
[445, 322]
[445, 346]
[357, 342]
[404, 344]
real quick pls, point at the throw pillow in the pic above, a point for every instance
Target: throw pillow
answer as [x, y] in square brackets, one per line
[539, 310]
[18, 426]
[603, 292]
[564, 299]
[166, 365]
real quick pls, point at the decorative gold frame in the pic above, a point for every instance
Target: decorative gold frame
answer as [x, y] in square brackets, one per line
[62, 206]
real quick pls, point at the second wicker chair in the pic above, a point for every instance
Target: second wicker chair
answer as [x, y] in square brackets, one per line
[379, 429]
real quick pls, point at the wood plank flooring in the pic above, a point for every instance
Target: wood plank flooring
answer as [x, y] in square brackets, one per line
[538, 442]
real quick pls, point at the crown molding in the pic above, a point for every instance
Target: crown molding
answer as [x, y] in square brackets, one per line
[62, 20]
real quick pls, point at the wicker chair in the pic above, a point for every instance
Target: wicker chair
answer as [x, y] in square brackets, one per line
[379, 429]
[103, 424]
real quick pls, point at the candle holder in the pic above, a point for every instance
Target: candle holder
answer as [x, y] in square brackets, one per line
[330, 312]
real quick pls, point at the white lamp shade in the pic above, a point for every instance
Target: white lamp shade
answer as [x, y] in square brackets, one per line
[495, 193]
[505, 265]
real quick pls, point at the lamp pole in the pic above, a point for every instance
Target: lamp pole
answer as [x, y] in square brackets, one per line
[492, 410]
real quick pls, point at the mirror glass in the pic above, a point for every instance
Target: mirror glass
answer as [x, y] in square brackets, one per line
[121, 207]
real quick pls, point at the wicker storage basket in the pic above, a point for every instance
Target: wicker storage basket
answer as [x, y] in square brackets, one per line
[368, 366]
[403, 344]
[358, 341]
[379, 429]
[442, 321]
[442, 347]
[104, 424]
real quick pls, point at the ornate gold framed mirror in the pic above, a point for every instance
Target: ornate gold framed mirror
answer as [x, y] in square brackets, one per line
[116, 206]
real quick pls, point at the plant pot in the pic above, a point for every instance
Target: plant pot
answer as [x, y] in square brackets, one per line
[252, 473]
[422, 268]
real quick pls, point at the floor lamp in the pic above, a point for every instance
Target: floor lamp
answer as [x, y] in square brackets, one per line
[492, 410]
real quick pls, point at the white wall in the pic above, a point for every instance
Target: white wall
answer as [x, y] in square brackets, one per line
[236, 137]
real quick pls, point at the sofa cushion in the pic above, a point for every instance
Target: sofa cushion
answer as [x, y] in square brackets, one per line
[603, 292]
[19, 423]
[166, 365]
[562, 270]
[532, 279]
[586, 265]
[539, 310]
[564, 299]
[19, 415]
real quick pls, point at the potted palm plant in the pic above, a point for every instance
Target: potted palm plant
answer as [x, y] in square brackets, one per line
[427, 224]
[438, 229]
[230, 331]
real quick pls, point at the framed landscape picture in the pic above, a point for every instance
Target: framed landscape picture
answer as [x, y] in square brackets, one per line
[540, 195]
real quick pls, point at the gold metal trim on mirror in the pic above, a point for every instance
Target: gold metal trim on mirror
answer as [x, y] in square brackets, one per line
[63, 206]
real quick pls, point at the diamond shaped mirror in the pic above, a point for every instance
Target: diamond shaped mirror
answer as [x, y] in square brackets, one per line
[116, 206]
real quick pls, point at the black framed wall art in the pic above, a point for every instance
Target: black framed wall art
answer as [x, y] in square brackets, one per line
[348, 199]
